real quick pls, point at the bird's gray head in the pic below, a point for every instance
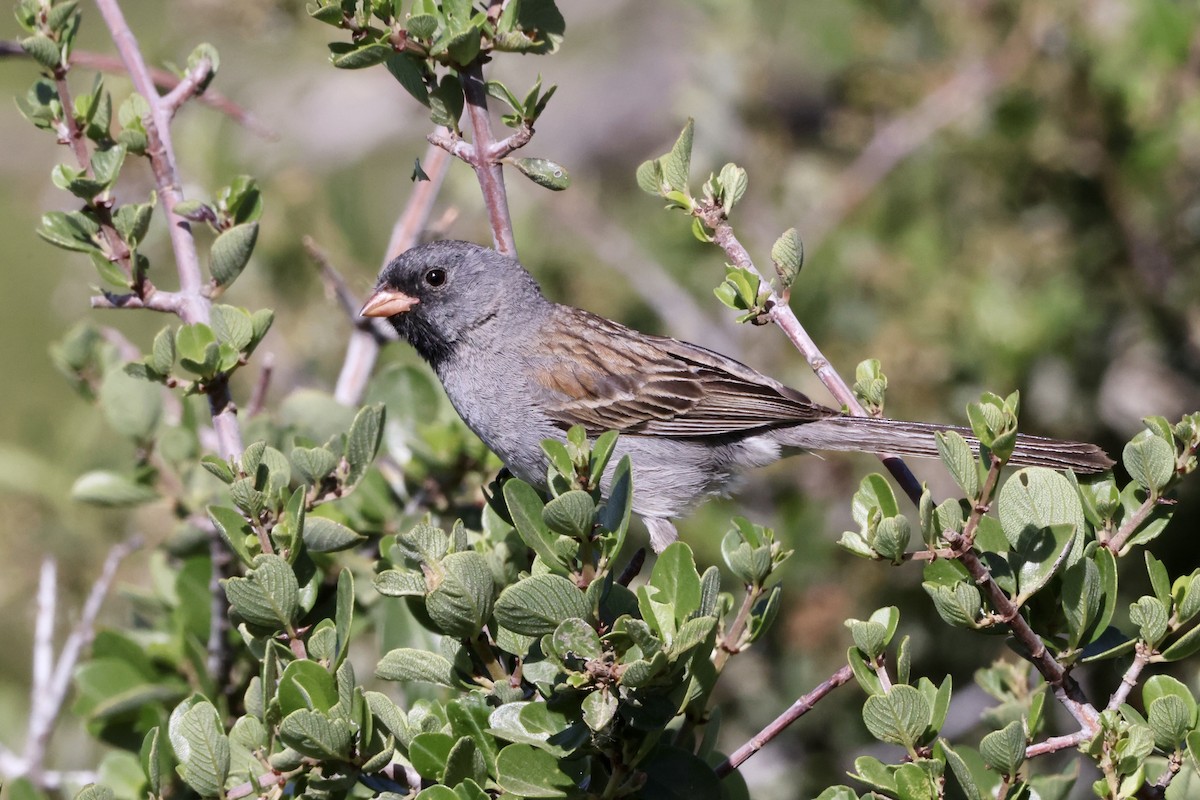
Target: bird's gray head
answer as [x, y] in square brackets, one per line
[437, 294]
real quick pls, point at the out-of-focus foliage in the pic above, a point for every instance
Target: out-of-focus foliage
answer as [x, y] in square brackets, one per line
[990, 194]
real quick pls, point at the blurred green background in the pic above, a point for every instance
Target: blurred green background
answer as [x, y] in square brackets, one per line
[993, 195]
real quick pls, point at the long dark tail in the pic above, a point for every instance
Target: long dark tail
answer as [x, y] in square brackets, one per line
[872, 435]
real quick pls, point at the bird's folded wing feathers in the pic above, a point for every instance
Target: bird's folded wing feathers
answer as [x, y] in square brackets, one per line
[615, 378]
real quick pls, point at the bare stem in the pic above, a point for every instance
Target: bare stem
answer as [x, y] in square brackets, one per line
[798, 709]
[487, 170]
[783, 316]
[1131, 525]
[1065, 688]
[1141, 658]
[52, 687]
[370, 334]
[1055, 743]
[191, 86]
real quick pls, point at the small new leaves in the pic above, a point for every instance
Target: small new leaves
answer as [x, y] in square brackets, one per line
[231, 252]
[731, 186]
[870, 385]
[787, 254]
[751, 552]
[1004, 750]
[872, 636]
[1151, 616]
[744, 291]
[994, 423]
[1150, 460]
[527, 111]
[667, 176]
[956, 454]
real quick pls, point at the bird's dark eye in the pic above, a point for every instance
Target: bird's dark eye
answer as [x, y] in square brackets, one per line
[435, 276]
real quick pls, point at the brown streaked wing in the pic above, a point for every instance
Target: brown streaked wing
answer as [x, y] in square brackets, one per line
[607, 376]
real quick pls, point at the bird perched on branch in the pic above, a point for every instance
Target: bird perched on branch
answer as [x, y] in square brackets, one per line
[519, 369]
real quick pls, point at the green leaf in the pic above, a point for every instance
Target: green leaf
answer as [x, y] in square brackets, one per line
[313, 463]
[231, 252]
[673, 592]
[650, 177]
[1039, 555]
[315, 734]
[677, 163]
[197, 348]
[959, 604]
[306, 684]
[269, 595]
[446, 102]
[733, 181]
[322, 535]
[231, 326]
[570, 514]
[234, 529]
[70, 230]
[111, 489]
[899, 717]
[526, 510]
[362, 443]
[1151, 617]
[1035, 498]
[201, 746]
[958, 457]
[462, 603]
[1170, 718]
[1082, 599]
[544, 173]
[534, 606]
[345, 55]
[1150, 461]
[526, 771]
[599, 708]
[787, 254]
[43, 50]
[428, 753]
[1004, 750]
[106, 164]
[407, 664]
[1183, 647]
[409, 71]
[962, 772]
[1160, 580]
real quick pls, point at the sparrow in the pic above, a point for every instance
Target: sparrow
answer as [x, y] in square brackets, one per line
[519, 369]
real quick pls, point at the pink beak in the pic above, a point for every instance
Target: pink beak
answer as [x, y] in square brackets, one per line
[387, 303]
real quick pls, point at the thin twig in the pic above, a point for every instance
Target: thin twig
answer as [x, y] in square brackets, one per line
[102, 62]
[1066, 689]
[55, 684]
[608, 241]
[798, 709]
[1055, 743]
[1141, 658]
[191, 86]
[487, 170]
[783, 316]
[370, 334]
[1131, 525]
